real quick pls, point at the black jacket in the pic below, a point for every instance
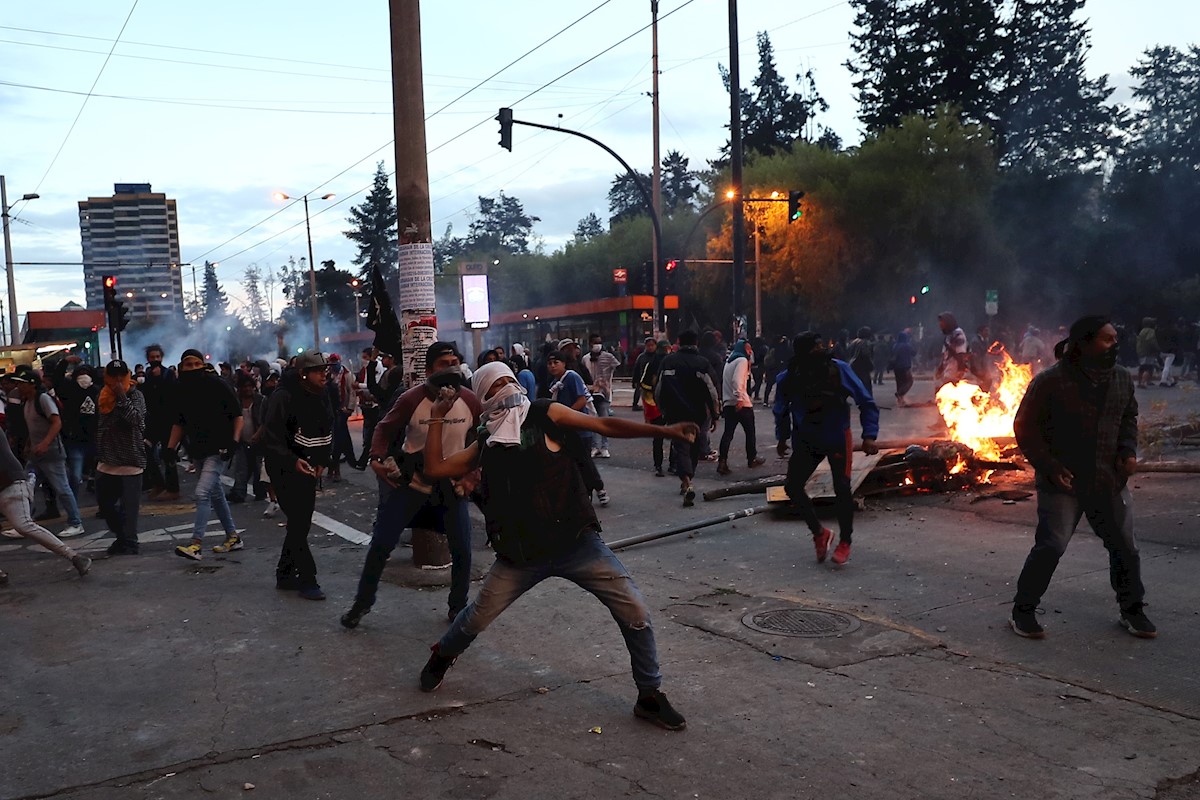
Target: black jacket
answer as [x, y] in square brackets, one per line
[299, 425]
[206, 409]
[685, 390]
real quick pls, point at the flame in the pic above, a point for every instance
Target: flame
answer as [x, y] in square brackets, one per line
[975, 417]
[959, 465]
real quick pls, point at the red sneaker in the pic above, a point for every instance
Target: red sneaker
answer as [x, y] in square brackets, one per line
[841, 553]
[821, 542]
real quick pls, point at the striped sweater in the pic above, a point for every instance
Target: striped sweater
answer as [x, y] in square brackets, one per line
[120, 433]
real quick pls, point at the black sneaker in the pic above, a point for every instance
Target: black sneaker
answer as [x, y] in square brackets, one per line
[119, 549]
[689, 497]
[1134, 620]
[1024, 622]
[434, 671]
[657, 709]
[658, 472]
[354, 616]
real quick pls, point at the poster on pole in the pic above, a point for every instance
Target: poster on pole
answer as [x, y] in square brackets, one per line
[418, 308]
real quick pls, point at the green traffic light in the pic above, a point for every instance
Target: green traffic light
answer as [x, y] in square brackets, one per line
[924, 290]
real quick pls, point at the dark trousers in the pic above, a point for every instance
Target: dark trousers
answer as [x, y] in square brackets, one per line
[342, 443]
[735, 416]
[686, 455]
[657, 445]
[398, 508]
[806, 457]
[247, 460]
[1111, 517]
[769, 381]
[591, 475]
[370, 420]
[297, 495]
[756, 381]
[160, 473]
[120, 500]
[904, 381]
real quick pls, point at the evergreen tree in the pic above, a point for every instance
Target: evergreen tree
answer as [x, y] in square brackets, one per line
[774, 117]
[1166, 128]
[375, 228]
[447, 249]
[625, 199]
[502, 225]
[1054, 119]
[888, 62]
[215, 303]
[963, 40]
[679, 185]
[588, 228]
[251, 285]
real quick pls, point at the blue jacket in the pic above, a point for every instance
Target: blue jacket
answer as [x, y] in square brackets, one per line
[831, 426]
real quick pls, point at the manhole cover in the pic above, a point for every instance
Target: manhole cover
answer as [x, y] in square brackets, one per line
[805, 622]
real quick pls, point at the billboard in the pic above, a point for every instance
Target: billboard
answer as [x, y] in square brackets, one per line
[476, 311]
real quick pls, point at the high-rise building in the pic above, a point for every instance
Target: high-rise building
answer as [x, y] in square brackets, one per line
[133, 235]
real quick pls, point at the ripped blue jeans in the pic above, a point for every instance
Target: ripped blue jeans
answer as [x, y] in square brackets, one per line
[592, 566]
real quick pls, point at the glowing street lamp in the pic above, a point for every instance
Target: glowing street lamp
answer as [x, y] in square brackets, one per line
[312, 271]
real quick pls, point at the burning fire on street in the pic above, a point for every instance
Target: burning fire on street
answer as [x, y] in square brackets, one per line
[979, 424]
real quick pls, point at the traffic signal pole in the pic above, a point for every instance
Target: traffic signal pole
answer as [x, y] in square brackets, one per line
[735, 173]
[505, 135]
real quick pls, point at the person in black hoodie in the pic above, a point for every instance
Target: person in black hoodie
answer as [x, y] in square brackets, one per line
[211, 417]
[299, 447]
[162, 476]
[78, 392]
[686, 393]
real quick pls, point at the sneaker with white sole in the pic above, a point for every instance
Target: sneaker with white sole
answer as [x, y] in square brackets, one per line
[604, 453]
[232, 542]
[602, 497]
[81, 563]
[191, 551]
[595, 452]
[71, 530]
[271, 510]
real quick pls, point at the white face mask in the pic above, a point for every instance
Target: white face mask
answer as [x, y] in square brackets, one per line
[84, 381]
[597, 348]
[141, 379]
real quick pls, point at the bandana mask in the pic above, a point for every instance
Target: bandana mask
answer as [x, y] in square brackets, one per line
[84, 381]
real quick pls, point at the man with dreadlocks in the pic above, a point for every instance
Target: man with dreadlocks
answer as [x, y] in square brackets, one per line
[810, 407]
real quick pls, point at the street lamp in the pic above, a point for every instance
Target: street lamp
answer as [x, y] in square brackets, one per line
[312, 271]
[8, 261]
[354, 283]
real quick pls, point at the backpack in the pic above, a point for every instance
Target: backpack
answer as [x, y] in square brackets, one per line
[37, 404]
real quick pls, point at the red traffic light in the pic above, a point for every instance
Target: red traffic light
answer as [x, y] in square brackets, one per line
[671, 265]
[912, 300]
[110, 281]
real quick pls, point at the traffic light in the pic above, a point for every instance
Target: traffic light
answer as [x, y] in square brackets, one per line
[120, 315]
[912, 300]
[671, 270]
[795, 211]
[110, 290]
[925, 289]
[505, 120]
[647, 277]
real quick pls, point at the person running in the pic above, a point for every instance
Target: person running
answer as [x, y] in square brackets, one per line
[209, 415]
[811, 410]
[46, 451]
[1077, 425]
[15, 495]
[738, 408]
[298, 443]
[542, 525]
[397, 458]
[686, 393]
[120, 456]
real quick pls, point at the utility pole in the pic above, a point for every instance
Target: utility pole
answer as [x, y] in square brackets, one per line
[656, 182]
[418, 312]
[312, 282]
[735, 171]
[758, 232]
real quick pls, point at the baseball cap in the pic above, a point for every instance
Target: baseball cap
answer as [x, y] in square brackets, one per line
[23, 374]
[439, 349]
[310, 360]
[116, 368]
[565, 343]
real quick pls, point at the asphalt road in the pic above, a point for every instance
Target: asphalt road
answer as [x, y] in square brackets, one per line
[159, 677]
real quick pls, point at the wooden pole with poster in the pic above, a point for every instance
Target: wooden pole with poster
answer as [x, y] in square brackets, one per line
[418, 312]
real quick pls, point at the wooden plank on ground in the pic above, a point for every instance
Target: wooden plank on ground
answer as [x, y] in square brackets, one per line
[820, 485]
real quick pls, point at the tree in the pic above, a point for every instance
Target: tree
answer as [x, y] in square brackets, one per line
[375, 229]
[625, 199]
[251, 285]
[588, 228]
[915, 56]
[292, 276]
[679, 185]
[774, 117]
[215, 303]
[501, 225]
[1166, 128]
[447, 249]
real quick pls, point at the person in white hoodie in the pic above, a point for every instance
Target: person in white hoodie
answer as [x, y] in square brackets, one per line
[737, 407]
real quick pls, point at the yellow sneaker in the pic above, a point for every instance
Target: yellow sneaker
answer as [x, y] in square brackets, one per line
[191, 551]
[232, 542]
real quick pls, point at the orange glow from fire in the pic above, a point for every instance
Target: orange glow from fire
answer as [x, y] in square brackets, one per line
[975, 417]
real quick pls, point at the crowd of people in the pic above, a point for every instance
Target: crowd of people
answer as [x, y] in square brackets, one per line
[519, 435]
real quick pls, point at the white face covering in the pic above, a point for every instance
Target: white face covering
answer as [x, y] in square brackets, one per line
[84, 381]
[141, 378]
[505, 411]
[596, 349]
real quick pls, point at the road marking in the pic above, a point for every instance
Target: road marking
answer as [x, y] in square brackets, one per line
[340, 529]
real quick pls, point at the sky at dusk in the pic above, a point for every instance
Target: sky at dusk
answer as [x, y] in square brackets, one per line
[220, 104]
